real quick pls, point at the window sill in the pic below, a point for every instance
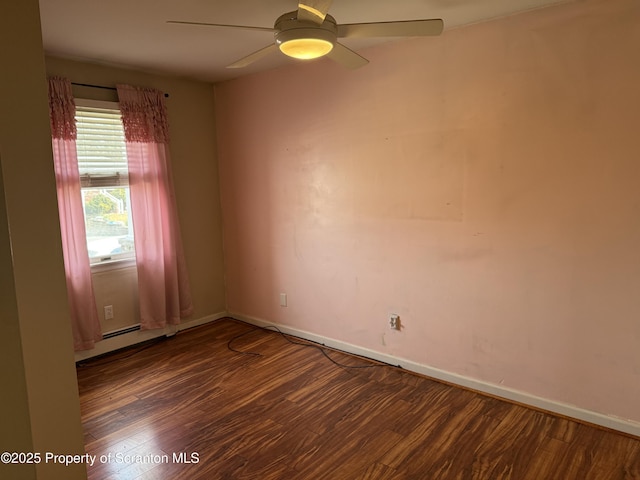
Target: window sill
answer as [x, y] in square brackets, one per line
[113, 265]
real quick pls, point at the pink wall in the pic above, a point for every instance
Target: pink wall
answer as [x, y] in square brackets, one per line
[483, 184]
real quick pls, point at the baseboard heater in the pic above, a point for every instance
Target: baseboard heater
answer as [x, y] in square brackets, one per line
[122, 331]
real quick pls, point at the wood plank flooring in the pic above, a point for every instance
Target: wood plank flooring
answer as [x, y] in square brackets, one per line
[283, 411]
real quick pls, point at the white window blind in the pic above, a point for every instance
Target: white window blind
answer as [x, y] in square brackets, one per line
[102, 155]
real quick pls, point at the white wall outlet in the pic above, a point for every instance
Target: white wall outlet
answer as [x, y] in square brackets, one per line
[108, 312]
[394, 321]
[283, 299]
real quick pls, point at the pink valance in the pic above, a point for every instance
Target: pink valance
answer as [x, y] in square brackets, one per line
[62, 109]
[144, 114]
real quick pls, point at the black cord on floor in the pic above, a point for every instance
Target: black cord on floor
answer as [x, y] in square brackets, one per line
[305, 343]
[230, 348]
[111, 357]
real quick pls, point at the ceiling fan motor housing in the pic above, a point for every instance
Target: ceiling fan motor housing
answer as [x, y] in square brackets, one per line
[302, 39]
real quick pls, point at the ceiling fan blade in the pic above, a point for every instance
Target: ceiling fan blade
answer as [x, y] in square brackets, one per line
[246, 27]
[313, 10]
[409, 28]
[254, 57]
[346, 57]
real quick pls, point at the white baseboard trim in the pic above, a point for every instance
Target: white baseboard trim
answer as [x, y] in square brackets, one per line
[139, 336]
[614, 423]
[201, 321]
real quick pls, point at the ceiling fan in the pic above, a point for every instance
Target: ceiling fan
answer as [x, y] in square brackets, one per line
[310, 32]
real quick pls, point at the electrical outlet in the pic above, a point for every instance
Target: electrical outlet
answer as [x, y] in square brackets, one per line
[283, 299]
[394, 321]
[108, 312]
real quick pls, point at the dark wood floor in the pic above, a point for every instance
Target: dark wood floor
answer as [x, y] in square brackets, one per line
[287, 412]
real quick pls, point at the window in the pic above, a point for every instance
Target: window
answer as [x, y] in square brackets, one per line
[102, 162]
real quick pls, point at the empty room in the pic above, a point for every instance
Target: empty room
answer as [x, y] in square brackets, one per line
[337, 239]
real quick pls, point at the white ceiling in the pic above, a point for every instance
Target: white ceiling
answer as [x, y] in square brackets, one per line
[134, 33]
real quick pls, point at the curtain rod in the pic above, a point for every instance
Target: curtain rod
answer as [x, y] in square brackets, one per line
[166, 95]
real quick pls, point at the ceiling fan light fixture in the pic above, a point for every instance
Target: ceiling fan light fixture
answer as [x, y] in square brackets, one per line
[306, 48]
[305, 43]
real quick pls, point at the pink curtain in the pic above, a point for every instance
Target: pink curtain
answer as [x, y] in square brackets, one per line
[85, 323]
[163, 285]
